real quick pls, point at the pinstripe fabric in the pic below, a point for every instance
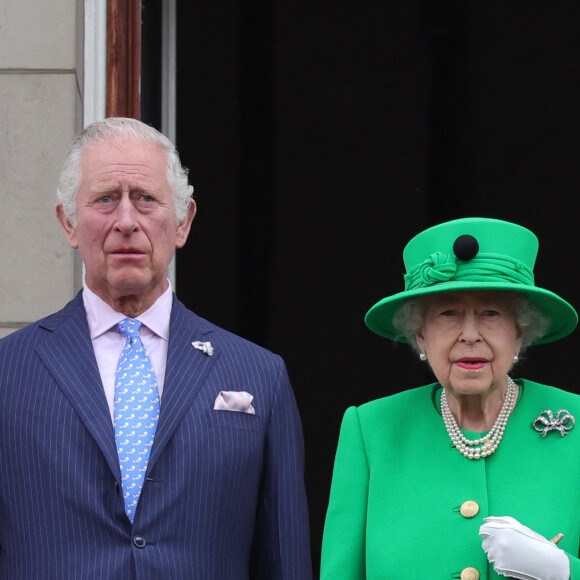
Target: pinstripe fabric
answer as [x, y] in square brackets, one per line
[224, 495]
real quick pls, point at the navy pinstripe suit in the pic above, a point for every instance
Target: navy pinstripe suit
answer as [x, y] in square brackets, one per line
[224, 495]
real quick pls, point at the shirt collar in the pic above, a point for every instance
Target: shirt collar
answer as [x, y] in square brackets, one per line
[102, 318]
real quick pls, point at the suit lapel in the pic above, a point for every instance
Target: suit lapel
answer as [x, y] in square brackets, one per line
[187, 369]
[68, 355]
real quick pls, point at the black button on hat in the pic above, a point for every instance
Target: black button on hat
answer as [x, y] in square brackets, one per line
[465, 247]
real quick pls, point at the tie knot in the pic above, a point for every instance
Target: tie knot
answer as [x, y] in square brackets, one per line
[129, 328]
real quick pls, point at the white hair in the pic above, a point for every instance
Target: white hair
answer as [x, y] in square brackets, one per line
[121, 129]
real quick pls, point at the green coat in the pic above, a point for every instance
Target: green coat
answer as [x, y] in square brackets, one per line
[398, 487]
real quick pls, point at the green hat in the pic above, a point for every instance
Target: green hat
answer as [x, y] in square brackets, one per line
[473, 254]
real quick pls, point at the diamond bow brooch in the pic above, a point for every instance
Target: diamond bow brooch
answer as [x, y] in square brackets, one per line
[562, 422]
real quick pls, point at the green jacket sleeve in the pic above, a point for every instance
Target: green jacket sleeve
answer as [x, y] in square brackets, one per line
[574, 567]
[343, 544]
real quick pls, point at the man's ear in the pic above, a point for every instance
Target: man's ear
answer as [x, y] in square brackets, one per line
[184, 227]
[69, 230]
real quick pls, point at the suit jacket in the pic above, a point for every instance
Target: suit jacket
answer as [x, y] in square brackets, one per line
[224, 494]
[398, 489]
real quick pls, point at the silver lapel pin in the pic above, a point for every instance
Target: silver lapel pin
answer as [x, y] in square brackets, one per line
[205, 347]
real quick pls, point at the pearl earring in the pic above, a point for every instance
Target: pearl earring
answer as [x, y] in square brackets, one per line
[423, 356]
[516, 357]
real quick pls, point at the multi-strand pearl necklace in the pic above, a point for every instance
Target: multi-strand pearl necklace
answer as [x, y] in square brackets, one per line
[477, 448]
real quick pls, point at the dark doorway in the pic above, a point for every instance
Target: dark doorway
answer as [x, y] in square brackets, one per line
[322, 136]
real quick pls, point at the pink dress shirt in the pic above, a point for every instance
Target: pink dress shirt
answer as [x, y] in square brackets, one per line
[108, 342]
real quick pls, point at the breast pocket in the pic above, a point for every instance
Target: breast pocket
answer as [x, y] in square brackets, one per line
[234, 420]
[235, 442]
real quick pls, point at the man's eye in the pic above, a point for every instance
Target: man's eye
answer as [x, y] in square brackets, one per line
[146, 198]
[105, 199]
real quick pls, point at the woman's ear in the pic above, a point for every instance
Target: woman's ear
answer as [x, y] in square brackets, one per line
[420, 339]
[519, 337]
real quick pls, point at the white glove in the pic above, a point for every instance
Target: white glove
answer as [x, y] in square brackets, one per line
[518, 552]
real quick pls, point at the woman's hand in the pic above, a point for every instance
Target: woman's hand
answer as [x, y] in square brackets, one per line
[518, 552]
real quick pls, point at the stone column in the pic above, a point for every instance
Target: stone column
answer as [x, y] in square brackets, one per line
[40, 112]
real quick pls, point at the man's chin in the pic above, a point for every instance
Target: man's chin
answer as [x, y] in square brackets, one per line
[133, 282]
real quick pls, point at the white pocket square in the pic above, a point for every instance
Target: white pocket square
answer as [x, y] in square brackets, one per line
[238, 401]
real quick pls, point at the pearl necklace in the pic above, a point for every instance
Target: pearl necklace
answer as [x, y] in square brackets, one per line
[486, 445]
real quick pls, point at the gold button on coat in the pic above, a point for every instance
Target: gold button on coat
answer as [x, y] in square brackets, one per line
[469, 509]
[469, 574]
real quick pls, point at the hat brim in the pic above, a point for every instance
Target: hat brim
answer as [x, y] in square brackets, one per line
[562, 316]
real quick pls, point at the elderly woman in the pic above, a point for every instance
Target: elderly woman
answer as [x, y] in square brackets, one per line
[469, 477]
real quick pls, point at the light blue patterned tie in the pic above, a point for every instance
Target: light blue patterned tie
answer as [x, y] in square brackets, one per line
[136, 412]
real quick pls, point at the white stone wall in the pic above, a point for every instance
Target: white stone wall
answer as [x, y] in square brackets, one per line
[40, 105]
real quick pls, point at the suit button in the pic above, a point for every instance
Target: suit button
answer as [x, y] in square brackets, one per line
[469, 574]
[139, 542]
[469, 509]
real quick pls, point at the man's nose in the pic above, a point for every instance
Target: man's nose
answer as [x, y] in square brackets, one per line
[126, 221]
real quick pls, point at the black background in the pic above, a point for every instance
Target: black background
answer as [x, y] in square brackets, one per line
[321, 136]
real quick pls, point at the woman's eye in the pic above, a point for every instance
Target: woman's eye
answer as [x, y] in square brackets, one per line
[447, 313]
[491, 313]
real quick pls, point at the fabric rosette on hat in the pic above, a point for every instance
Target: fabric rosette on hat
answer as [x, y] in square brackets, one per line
[473, 254]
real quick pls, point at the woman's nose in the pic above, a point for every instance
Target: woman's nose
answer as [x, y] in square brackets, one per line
[469, 329]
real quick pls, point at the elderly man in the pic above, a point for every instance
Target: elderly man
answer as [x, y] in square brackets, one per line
[137, 440]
